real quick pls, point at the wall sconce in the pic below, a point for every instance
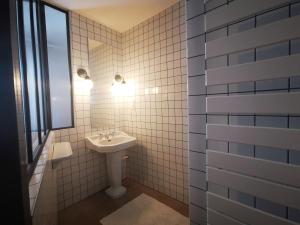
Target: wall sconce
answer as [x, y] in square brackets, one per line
[87, 82]
[119, 79]
[122, 88]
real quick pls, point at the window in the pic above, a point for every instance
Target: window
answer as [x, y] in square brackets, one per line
[45, 71]
[56, 22]
[40, 83]
[33, 83]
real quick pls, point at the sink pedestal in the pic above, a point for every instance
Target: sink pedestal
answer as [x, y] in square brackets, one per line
[115, 150]
[114, 170]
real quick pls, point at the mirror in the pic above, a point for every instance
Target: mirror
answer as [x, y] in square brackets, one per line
[105, 64]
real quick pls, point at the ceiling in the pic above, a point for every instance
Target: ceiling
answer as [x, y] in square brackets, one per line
[119, 15]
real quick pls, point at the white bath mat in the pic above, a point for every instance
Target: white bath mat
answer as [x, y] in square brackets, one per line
[145, 210]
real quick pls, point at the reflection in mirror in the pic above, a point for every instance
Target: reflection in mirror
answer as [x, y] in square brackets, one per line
[105, 61]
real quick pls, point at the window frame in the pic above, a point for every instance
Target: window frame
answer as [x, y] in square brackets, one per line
[44, 35]
[33, 154]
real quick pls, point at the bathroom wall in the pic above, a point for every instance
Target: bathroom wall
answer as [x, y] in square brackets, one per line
[43, 187]
[85, 172]
[199, 62]
[152, 105]
[154, 56]
[154, 110]
[106, 106]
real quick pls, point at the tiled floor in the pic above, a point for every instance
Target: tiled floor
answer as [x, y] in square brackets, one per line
[95, 207]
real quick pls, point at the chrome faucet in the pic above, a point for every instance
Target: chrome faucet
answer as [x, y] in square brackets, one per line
[108, 135]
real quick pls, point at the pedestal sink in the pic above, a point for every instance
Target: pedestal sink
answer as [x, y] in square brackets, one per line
[114, 147]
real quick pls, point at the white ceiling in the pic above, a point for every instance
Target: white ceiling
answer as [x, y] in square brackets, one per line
[119, 15]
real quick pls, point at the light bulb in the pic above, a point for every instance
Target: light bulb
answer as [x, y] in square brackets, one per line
[88, 84]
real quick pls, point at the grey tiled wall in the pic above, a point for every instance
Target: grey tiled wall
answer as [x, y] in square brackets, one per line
[275, 85]
[196, 105]
[197, 113]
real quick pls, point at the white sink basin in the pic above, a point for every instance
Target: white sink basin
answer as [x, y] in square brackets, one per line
[120, 141]
[114, 149]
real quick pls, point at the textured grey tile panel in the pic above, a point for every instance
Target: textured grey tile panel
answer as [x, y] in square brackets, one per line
[198, 197]
[197, 160]
[196, 66]
[197, 123]
[197, 215]
[197, 105]
[194, 8]
[196, 46]
[197, 142]
[195, 26]
[198, 179]
[197, 85]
